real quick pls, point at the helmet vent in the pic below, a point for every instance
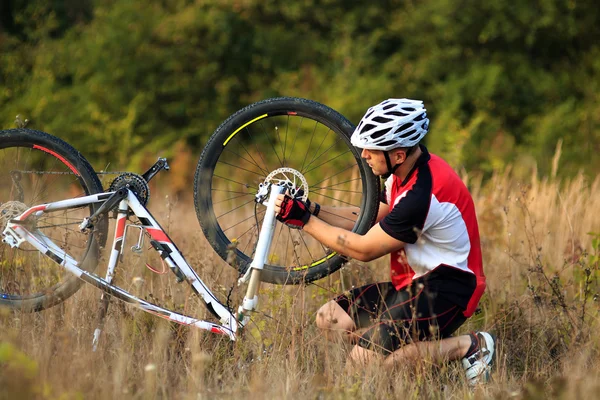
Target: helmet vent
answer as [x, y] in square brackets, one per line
[396, 113]
[380, 133]
[408, 134]
[382, 120]
[408, 109]
[388, 143]
[405, 127]
[367, 127]
[389, 106]
[420, 117]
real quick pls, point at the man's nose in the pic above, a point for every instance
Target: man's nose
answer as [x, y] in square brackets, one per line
[364, 153]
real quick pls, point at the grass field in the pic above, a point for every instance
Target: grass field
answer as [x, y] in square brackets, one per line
[542, 266]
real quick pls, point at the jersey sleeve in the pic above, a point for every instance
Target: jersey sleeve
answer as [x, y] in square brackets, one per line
[406, 220]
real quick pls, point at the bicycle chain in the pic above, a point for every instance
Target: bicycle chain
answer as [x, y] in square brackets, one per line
[68, 173]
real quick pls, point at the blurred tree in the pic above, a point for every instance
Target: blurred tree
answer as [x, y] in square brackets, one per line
[121, 80]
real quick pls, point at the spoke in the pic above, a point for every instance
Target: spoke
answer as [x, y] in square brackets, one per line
[296, 138]
[339, 183]
[309, 145]
[326, 253]
[44, 186]
[283, 145]
[331, 159]
[307, 249]
[257, 227]
[61, 225]
[247, 130]
[337, 215]
[277, 244]
[231, 198]
[317, 151]
[270, 142]
[238, 167]
[341, 201]
[65, 244]
[253, 162]
[236, 208]
[294, 247]
[336, 190]
[252, 227]
[326, 151]
[232, 191]
[240, 222]
[236, 182]
[49, 217]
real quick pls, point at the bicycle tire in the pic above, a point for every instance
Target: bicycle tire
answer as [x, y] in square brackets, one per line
[38, 168]
[218, 158]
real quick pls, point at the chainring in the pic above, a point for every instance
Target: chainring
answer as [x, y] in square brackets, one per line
[134, 182]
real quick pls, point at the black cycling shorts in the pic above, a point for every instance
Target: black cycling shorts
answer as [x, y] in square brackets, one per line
[390, 318]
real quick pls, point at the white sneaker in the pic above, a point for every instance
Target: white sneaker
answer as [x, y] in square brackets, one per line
[478, 366]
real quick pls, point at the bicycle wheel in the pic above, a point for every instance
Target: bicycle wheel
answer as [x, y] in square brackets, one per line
[277, 136]
[37, 168]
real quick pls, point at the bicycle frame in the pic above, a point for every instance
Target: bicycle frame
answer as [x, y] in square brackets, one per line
[16, 233]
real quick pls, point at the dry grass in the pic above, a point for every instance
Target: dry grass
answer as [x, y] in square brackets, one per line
[541, 303]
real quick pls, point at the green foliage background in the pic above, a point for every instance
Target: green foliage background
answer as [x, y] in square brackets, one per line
[121, 80]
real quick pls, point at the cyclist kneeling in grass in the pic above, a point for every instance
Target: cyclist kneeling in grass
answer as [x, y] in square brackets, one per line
[427, 223]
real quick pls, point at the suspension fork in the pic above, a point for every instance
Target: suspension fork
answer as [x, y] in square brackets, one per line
[253, 273]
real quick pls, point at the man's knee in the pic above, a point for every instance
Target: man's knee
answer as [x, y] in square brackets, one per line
[332, 317]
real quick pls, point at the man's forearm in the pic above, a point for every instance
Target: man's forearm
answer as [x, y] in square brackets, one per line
[338, 239]
[343, 217]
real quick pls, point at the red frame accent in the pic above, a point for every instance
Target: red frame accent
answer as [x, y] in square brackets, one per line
[158, 235]
[120, 230]
[61, 158]
[31, 211]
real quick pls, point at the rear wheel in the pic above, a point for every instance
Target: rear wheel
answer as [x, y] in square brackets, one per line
[294, 139]
[37, 168]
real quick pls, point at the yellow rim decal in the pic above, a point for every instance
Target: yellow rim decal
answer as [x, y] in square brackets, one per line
[321, 261]
[242, 127]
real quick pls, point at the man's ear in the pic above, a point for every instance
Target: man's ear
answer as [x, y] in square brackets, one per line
[399, 156]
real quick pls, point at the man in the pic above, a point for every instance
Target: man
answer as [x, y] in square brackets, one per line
[427, 223]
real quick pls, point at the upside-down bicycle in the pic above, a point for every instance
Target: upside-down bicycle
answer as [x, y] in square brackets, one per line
[55, 214]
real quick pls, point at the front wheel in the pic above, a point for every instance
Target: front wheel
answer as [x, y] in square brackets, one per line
[293, 140]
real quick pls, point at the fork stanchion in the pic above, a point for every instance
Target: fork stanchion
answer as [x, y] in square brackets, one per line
[262, 250]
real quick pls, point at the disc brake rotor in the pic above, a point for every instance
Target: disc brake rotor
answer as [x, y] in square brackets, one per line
[291, 179]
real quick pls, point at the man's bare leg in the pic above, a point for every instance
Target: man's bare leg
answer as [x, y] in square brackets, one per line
[335, 322]
[437, 351]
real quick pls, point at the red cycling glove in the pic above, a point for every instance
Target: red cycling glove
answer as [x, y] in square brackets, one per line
[294, 213]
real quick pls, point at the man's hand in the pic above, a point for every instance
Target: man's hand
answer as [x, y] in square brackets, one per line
[315, 206]
[292, 212]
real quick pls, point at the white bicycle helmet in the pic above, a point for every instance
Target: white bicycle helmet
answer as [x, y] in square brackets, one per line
[390, 124]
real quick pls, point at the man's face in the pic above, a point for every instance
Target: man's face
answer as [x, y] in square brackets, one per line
[376, 161]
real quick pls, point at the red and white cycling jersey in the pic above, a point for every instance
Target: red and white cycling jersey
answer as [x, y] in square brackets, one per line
[432, 212]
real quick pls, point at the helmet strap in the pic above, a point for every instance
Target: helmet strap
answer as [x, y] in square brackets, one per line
[391, 169]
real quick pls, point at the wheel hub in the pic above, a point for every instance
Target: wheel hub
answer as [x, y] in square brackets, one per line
[11, 210]
[289, 178]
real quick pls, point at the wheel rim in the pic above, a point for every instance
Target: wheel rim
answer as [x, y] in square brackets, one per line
[309, 144]
[33, 174]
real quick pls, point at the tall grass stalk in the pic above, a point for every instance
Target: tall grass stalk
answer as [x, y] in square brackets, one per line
[542, 271]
